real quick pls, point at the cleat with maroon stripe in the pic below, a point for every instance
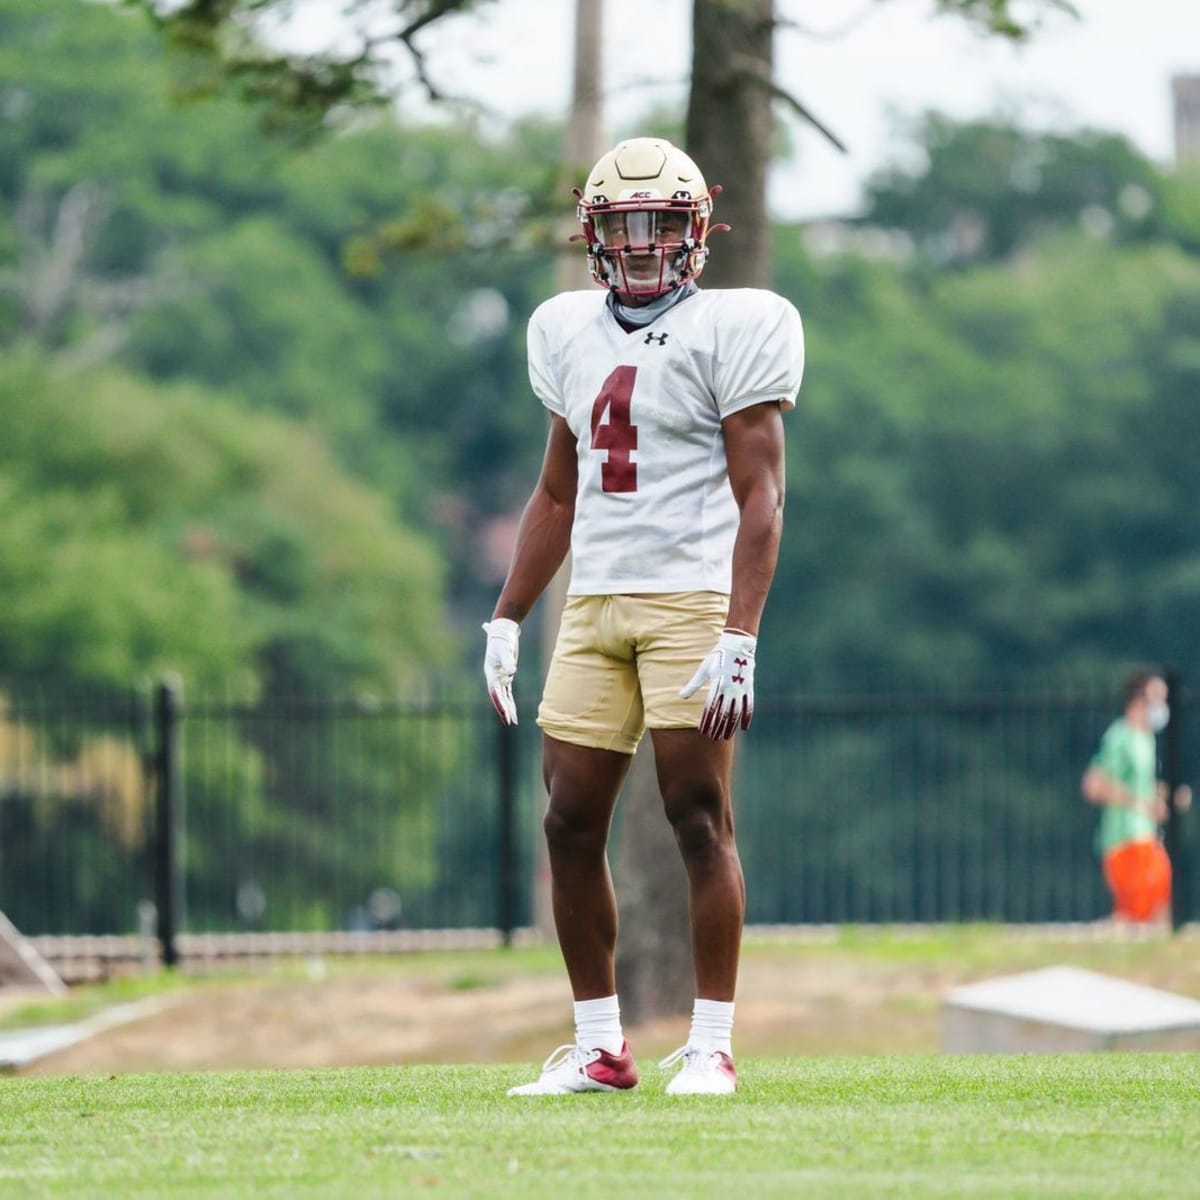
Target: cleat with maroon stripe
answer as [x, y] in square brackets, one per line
[574, 1068]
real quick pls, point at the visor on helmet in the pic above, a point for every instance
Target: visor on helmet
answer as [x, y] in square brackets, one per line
[641, 229]
[644, 247]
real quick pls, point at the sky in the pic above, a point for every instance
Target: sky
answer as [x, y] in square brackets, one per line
[858, 65]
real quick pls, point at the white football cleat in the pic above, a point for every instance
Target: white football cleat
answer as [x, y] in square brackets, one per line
[704, 1072]
[572, 1068]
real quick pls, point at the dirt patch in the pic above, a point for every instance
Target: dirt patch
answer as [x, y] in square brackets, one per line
[334, 1022]
[808, 1001]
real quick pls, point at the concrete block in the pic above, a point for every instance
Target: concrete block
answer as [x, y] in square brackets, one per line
[1063, 1009]
[21, 966]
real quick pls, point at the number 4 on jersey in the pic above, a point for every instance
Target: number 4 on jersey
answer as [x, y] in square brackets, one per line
[618, 435]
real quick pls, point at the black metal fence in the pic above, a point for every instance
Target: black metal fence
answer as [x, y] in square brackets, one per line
[960, 806]
[304, 814]
[322, 815]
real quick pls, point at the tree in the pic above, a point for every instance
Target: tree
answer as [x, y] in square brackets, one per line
[375, 306]
[224, 45]
[987, 189]
[156, 528]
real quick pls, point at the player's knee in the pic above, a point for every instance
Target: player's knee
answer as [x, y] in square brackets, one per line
[700, 817]
[568, 833]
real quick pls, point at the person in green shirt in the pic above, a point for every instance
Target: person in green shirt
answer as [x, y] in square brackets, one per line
[1123, 780]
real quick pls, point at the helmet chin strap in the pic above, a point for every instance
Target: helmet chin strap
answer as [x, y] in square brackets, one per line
[644, 314]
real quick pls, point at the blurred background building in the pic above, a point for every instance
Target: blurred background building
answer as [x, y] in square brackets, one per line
[1186, 92]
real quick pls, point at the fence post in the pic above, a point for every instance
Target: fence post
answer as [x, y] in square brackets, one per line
[168, 880]
[506, 757]
[1173, 777]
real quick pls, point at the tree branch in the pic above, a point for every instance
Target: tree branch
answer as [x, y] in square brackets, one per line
[831, 35]
[220, 33]
[799, 108]
[750, 70]
[996, 16]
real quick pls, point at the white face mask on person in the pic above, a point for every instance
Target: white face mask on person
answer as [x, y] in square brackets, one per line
[1157, 716]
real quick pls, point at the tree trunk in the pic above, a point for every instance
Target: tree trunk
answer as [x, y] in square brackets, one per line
[729, 135]
[654, 951]
[729, 131]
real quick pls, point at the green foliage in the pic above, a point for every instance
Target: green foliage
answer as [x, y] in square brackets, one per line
[219, 46]
[1181, 213]
[245, 319]
[1006, 18]
[151, 528]
[988, 188]
[87, 597]
[987, 467]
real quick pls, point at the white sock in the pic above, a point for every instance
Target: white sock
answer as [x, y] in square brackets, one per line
[712, 1025]
[598, 1024]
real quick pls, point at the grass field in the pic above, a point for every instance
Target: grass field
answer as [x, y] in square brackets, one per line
[1063, 1126]
[843, 1094]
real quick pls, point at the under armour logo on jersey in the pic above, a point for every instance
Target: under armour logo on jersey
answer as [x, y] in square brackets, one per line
[739, 663]
[661, 338]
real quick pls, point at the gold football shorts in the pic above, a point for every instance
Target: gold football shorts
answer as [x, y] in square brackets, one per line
[620, 661]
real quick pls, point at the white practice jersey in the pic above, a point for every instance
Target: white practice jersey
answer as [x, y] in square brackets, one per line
[654, 510]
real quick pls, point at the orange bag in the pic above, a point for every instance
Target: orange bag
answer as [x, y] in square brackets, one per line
[1139, 877]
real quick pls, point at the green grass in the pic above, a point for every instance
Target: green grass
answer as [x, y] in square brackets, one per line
[1006, 1127]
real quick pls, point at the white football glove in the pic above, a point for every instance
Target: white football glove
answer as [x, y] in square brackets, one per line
[729, 673]
[500, 665]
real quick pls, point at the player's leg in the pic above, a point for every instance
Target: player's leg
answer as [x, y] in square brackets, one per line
[582, 785]
[591, 718]
[694, 778]
[694, 775]
[676, 631]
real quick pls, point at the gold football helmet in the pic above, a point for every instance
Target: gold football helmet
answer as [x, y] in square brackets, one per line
[645, 213]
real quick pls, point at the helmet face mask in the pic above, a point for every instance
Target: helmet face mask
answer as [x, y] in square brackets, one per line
[645, 215]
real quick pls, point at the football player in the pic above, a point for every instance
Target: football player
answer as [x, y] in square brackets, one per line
[663, 474]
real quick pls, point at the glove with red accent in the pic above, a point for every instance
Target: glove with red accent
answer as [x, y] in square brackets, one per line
[729, 672]
[500, 665]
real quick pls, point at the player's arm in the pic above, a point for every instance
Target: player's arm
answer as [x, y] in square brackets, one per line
[544, 534]
[543, 538]
[754, 453]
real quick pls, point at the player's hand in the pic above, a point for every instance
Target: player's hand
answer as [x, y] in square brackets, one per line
[729, 672]
[500, 665]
